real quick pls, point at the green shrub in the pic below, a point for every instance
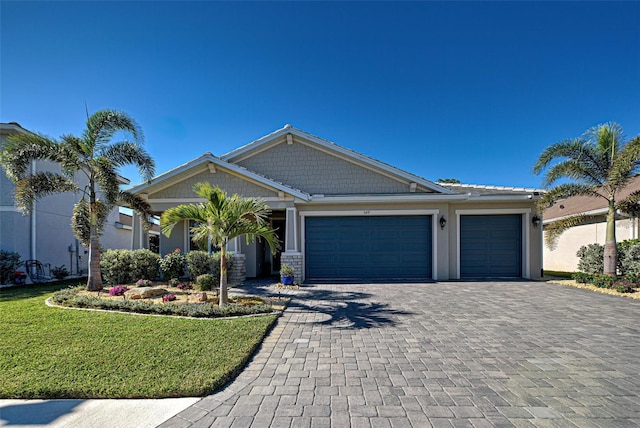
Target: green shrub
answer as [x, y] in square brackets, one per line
[145, 264]
[624, 286]
[631, 277]
[9, 262]
[591, 258]
[60, 272]
[173, 264]
[582, 277]
[602, 280]
[206, 282]
[199, 263]
[629, 257]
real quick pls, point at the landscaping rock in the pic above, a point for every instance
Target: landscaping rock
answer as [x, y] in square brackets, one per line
[202, 297]
[144, 292]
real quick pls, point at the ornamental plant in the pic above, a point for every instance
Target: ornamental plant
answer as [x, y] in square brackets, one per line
[144, 283]
[173, 264]
[168, 297]
[118, 290]
[624, 286]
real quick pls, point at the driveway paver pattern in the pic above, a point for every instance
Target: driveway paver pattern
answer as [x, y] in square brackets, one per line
[451, 354]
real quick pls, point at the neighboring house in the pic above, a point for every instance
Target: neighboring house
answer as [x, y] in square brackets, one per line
[45, 234]
[562, 257]
[342, 216]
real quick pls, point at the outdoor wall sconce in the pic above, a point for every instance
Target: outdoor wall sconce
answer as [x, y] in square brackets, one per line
[443, 222]
[535, 220]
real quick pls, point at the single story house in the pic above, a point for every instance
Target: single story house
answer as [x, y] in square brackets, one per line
[562, 257]
[343, 216]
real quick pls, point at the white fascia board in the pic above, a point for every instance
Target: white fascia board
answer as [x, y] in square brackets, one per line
[425, 197]
[209, 158]
[504, 198]
[348, 153]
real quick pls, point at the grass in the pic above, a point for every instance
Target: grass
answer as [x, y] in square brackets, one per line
[557, 273]
[48, 352]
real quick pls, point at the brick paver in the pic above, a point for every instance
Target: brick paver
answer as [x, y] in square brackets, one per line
[472, 354]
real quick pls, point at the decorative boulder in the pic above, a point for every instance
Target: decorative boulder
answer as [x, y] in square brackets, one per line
[202, 297]
[144, 292]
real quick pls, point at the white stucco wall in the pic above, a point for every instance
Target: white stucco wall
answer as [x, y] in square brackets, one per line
[563, 257]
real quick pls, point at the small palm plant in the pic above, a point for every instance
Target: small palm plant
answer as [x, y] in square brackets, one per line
[220, 219]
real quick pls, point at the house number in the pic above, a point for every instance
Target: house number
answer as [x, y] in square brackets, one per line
[366, 211]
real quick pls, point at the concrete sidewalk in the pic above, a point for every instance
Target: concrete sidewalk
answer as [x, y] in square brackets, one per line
[91, 413]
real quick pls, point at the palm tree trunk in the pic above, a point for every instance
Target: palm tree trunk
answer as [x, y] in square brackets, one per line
[610, 250]
[223, 276]
[94, 281]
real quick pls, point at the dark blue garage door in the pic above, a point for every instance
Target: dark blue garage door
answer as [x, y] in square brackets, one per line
[368, 248]
[491, 246]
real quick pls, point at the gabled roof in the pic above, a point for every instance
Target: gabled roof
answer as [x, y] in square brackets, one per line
[209, 158]
[587, 205]
[349, 154]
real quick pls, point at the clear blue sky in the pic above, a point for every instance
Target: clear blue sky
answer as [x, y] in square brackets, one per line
[473, 91]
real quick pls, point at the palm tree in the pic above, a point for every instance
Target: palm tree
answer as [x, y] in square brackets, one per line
[598, 164]
[220, 219]
[92, 156]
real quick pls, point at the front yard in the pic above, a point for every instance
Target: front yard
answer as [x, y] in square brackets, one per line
[49, 352]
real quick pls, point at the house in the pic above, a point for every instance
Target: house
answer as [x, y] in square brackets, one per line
[45, 234]
[562, 257]
[343, 216]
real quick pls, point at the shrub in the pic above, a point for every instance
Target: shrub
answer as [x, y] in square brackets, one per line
[145, 264]
[118, 290]
[199, 263]
[286, 270]
[624, 287]
[591, 258]
[144, 283]
[629, 257]
[582, 277]
[182, 285]
[116, 265]
[632, 277]
[603, 281]
[206, 282]
[173, 264]
[168, 298]
[9, 262]
[60, 272]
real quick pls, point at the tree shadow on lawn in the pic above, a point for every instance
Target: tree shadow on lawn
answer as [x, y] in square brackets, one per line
[349, 310]
[20, 292]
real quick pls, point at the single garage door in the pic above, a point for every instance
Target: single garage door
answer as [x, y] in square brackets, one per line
[491, 246]
[368, 248]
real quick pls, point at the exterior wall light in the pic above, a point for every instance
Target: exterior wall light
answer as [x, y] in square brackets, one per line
[443, 222]
[535, 220]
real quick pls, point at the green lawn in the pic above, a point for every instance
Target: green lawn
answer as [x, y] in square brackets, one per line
[50, 352]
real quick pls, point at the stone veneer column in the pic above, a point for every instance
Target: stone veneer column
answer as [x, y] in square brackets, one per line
[295, 261]
[238, 273]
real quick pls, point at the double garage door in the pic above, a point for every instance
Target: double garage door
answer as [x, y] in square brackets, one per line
[370, 248]
[379, 248]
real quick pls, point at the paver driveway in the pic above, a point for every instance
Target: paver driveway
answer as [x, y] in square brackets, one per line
[444, 354]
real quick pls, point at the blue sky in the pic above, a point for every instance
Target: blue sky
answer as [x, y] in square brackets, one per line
[469, 90]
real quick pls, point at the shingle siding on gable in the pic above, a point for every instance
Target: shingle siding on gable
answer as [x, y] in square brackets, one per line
[227, 182]
[316, 172]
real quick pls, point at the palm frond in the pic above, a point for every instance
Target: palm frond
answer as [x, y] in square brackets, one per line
[174, 215]
[33, 187]
[580, 159]
[630, 205]
[565, 191]
[128, 153]
[572, 169]
[104, 124]
[19, 150]
[81, 220]
[552, 231]
[107, 178]
[607, 137]
[626, 163]
[139, 205]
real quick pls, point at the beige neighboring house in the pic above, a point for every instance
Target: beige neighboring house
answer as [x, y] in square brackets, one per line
[343, 216]
[45, 234]
[562, 257]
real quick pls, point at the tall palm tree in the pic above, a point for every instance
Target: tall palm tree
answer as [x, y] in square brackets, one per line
[598, 164]
[220, 219]
[91, 159]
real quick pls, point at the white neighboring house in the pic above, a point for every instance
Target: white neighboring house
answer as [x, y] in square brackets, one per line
[45, 234]
[563, 256]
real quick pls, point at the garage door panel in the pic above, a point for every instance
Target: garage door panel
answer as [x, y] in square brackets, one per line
[490, 246]
[368, 248]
